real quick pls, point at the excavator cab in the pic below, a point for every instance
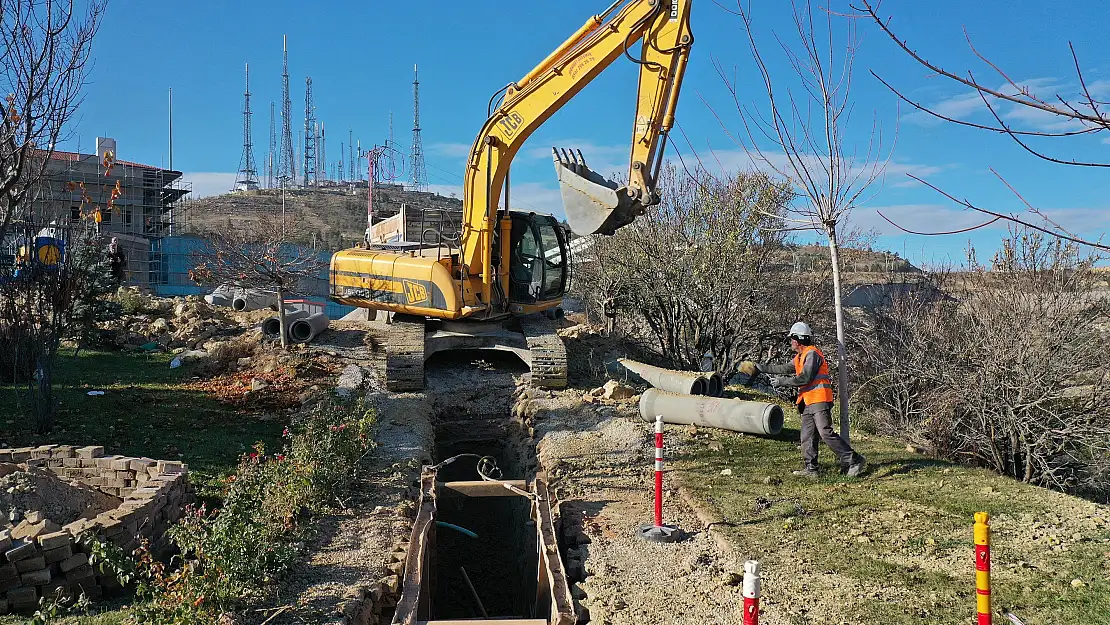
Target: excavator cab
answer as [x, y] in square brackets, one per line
[537, 259]
[593, 204]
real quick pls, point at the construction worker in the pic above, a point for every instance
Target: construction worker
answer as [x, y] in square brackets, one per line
[810, 371]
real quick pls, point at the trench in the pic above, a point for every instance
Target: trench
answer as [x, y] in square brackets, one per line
[501, 562]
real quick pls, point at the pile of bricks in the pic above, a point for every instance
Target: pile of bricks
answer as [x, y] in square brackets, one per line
[36, 561]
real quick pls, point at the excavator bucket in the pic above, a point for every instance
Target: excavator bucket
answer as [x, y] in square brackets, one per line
[593, 204]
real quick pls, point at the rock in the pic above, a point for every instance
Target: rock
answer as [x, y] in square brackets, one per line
[772, 481]
[598, 392]
[732, 579]
[863, 539]
[714, 446]
[1078, 583]
[987, 490]
[726, 471]
[193, 354]
[257, 384]
[616, 390]
[243, 362]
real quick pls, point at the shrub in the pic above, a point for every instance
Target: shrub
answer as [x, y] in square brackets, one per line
[230, 555]
[133, 300]
[1011, 375]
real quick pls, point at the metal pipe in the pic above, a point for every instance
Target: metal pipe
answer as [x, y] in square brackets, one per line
[305, 329]
[750, 417]
[686, 382]
[272, 326]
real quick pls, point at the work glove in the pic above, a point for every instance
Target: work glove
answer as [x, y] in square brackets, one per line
[780, 381]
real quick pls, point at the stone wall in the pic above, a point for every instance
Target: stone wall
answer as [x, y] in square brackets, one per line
[35, 561]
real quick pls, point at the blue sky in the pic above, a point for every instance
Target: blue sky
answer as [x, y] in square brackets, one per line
[360, 56]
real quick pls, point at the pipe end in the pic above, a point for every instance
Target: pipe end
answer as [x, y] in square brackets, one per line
[773, 419]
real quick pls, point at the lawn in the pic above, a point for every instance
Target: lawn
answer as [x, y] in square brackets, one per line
[896, 546]
[144, 411]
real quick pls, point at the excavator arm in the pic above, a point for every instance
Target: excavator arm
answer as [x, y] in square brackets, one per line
[593, 204]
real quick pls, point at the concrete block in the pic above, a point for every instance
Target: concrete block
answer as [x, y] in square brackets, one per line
[36, 578]
[31, 564]
[71, 463]
[20, 550]
[54, 540]
[122, 463]
[6, 455]
[170, 466]
[5, 539]
[140, 465]
[26, 529]
[41, 452]
[125, 475]
[8, 583]
[88, 463]
[83, 571]
[22, 454]
[109, 490]
[74, 561]
[8, 571]
[92, 451]
[63, 451]
[58, 554]
[23, 595]
[105, 462]
[34, 516]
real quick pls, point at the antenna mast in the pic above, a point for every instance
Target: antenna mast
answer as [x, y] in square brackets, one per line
[416, 159]
[247, 180]
[287, 167]
[309, 168]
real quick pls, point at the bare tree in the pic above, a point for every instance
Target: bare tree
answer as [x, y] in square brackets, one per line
[704, 271]
[46, 46]
[1077, 116]
[256, 255]
[807, 118]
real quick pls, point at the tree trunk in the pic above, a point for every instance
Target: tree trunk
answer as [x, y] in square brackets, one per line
[42, 399]
[281, 318]
[841, 351]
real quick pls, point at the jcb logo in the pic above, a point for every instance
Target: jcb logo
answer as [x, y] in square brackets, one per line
[415, 292]
[511, 123]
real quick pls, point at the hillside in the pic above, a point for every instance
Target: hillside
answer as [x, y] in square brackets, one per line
[332, 218]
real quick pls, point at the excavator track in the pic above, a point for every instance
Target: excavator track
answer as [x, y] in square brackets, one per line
[549, 353]
[404, 354]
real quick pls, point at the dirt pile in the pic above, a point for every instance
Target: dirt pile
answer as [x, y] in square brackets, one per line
[25, 491]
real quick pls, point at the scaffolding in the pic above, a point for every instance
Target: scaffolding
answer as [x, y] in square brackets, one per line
[137, 204]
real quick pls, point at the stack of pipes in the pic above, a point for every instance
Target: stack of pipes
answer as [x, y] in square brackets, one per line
[695, 398]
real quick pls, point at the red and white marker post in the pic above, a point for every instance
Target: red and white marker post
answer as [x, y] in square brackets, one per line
[657, 532]
[752, 590]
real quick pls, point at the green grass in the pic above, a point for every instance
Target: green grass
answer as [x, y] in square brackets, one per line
[143, 412]
[898, 542]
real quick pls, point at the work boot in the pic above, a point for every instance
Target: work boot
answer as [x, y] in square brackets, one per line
[806, 473]
[856, 468]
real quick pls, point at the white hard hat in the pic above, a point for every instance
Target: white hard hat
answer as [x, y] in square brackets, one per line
[800, 329]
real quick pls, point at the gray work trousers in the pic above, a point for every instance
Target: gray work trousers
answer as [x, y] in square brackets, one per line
[817, 419]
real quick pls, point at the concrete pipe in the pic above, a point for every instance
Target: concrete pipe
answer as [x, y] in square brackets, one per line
[750, 417]
[686, 382]
[218, 299]
[253, 299]
[272, 326]
[715, 385]
[305, 329]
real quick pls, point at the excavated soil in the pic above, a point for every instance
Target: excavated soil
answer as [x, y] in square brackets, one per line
[25, 489]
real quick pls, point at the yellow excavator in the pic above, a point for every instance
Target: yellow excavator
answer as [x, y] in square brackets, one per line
[497, 282]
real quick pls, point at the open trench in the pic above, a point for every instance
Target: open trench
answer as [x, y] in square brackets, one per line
[476, 551]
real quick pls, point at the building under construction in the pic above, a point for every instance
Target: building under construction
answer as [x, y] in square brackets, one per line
[137, 204]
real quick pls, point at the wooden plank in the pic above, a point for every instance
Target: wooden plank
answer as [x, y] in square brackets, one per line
[412, 589]
[562, 607]
[481, 488]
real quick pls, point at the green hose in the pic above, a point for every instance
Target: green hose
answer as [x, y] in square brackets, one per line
[461, 530]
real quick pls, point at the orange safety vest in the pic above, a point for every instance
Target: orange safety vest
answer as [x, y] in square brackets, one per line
[820, 388]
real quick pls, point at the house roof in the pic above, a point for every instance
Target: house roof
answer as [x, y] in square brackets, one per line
[74, 157]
